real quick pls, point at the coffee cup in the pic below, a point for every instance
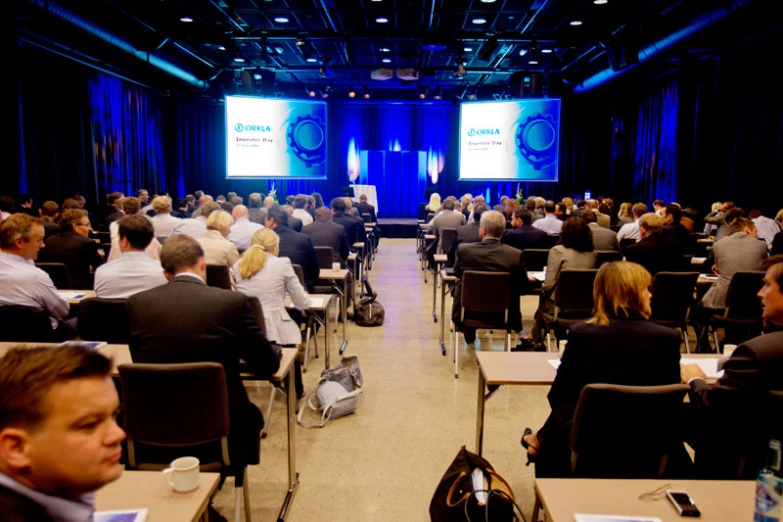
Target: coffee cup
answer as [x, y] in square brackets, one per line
[728, 349]
[562, 346]
[182, 474]
[335, 266]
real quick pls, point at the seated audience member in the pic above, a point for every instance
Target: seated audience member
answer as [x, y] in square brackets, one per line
[301, 203]
[188, 321]
[72, 246]
[730, 215]
[24, 284]
[631, 230]
[255, 209]
[493, 256]
[675, 230]
[549, 223]
[354, 227]
[143, 196]
[325, 232]
[134, 271]
[740, 251]
[181, 210]
[202, 202]
[575, 250]
[294, 223]
[625, 214]
[523, 234]
[24, 205]
[220, 199]
[766, 228]
[715, 219]
[603, 220]
[365, 208]
[59, 438]
[50, 215]
[467, 233]
[113, 210]
[512, 205]
[738, 397]
[243, 229]
[163, 221]
[654, 251]
[448, 218]
[658, 206]
[617, 346]
[294, 245]
[237, 200]
[269, 201]
[311, 206]
[70, 203]
[6, 206]
[604, 239]
[130, 207]
[217, 249]
[260, 273]
[501, 207]
[227, 207]
[350, 209]
[196, 226]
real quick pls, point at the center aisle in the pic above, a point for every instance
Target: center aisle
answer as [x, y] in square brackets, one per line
[384, 461]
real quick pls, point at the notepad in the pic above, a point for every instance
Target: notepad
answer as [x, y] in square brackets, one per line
[71, 296]
[126, 515]
[708, 366]
[581, 517]
[316, 302]
[554, 362]
[539, 275]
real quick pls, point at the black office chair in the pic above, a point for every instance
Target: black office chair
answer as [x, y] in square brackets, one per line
[192, 420]
[551, 241]
[104, 320]
[673, 293]
[536, 258]
[325, 256]
[366, 217]
[741, 319]
[25, 324]
[219, 276]
[484, 305]
[59, 273]
[606, 256]
[573, 301]
[446, 238]
[625, 243]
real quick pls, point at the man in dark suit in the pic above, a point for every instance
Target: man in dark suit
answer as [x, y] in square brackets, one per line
[294, 223]
[112, 211]
[676, 231]
[654, 251]
[467, 233]
[188, 321]
[490, 255]
[365, 208]
[255, 208]
[73, 247]
[736, 403]
[523, 234]
[501, 207]
[294, 245]
[354, 227]
[325, 232]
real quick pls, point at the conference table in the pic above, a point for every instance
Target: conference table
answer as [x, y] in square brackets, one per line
[120, 354]
[147, 489]
[718, 500]
[529, 368]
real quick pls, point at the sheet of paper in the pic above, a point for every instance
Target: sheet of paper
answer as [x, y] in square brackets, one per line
[540, 275]
[70, 294]
[581, 517]
[708, 366]
[554, 362]
[316, 302]
[698, 260]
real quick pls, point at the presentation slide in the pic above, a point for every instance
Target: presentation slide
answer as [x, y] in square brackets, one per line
[509, 140]
[275, 138]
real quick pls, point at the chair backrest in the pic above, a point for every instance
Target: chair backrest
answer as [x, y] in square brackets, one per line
[687, 263]
[219, 276]
[61, 276]
[25, 324]
[104, 320]
[429, 217]
[606, 256]
[625, 242]
[551, 241]
[325, 256]
[574, 291]
[741, 299]
[367, 217]
[673, 294]
[536, 258]
[446, 238]
[485, 292]
[175, 406]
[299, 273]
[625, 431]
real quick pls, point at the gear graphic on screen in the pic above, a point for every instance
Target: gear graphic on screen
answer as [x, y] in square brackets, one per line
[307, 140]
[537, 140]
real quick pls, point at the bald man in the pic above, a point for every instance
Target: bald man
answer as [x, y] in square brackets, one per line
[243, 229]
[269, 202]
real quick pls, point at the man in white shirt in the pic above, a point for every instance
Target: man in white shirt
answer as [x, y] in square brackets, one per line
[243, 229]
[549, 223]
[134, 271]
[196, 226]
[631, 230]
[24, 284]
[300, 209]
[766, 228]
[130, 207]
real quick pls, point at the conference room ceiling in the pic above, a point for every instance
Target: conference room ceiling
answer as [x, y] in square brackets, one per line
[340, 45]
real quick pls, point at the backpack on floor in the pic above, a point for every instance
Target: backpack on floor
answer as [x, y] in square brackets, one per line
[369, 312]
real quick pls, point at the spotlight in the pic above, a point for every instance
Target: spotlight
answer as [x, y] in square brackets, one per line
[422, 93]
[438, 93]
[366, 95]
[312, 94]
[352, 94]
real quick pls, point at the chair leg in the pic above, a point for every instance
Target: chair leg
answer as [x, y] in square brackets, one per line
[268, 415]
[246, 494]
[685, 336]
[307, 347]
[536, 508]
[456, 354]
[717, 344]
[508, 340]
[548, 341]
[238, 504]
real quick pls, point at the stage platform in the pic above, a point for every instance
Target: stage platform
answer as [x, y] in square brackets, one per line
[398, 227]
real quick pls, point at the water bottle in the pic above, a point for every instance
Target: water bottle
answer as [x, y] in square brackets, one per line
[769, 487]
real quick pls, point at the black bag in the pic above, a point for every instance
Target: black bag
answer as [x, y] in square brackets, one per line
[369, 312]
[457, 500]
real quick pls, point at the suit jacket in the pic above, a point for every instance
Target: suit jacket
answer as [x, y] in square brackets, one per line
[604, 238]
[680, 234]
[331, 234]
[19, 508]
[492, 256]
[299, 249]
[735, 253]
[446, 219]
[188, 321]
[294, 223]
[257, 215]
[366, 208]
[656, 253]
[464, 234]
[77, 252]
[525, 236]
[354, 227]
[603, 220]
[112, 217]
[628, 351]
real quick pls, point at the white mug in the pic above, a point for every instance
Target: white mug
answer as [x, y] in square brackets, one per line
[335, 266]
[728, 349]
[182, 475]
[562, 347]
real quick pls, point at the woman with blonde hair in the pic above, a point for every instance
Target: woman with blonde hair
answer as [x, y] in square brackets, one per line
[260, 273]
[569, 205]
[467, 204]
[624, 215]
[434, 204]
[619, 345]
[217, 249]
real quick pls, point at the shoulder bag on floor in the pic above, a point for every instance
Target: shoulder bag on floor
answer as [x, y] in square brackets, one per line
[336, 392]
[369, 312]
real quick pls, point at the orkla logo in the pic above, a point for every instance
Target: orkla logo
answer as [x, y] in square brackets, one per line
[251, 128]
[483, 132]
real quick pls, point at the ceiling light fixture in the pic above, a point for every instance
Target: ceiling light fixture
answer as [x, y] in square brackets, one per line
[300, 40]
[533, 62]
[281, 19]
[239, 60]
[468, 49]
[312, 60]
[487, 1]
[522, 52]
[381, 19]
[575, 22]
[186, 19]
[600, 2]
[546, 50]
[221, 48]
[385, 50]
[386, 60]
[479, 21]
